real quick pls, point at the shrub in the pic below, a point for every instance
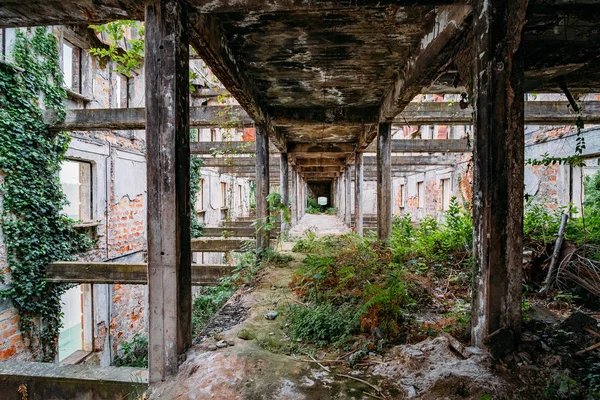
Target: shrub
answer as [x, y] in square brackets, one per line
[207, 303]
[322, 324]
[134, 353]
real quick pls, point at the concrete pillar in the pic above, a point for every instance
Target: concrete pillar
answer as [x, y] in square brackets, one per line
[168, 171]
[384, 183]
[358, 191]
[284, 187]
[498, 167]
[294, 196]
[348, 196]
[262, 187]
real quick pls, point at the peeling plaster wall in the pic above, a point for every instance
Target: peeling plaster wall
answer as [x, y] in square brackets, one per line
[113, 314]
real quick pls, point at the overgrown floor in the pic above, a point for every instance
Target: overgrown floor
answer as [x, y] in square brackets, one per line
[252, 358]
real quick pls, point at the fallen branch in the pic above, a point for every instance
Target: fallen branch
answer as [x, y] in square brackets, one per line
[377, 388]
[555, 253]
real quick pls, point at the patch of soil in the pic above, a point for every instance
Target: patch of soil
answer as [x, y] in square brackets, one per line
[230, 315]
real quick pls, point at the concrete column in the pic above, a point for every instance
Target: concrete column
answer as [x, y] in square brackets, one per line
[294, 196]
[498, 167]
[348, 195]
[358, 191]
[262, 187]
[168, 171]
[284, 187]
[384, 183]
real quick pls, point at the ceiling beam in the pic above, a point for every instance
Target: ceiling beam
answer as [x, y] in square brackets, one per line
[245, 6]
[284, 116]
[420, 70]
[209, 41]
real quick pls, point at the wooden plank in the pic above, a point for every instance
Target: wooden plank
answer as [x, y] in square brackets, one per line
[284, 190]
[262, 187]
[384, 183]
[168, 171]
[358, 193]
[498, 166]
[414, 114]
[234, 232]
[217, 245]
[126, 273]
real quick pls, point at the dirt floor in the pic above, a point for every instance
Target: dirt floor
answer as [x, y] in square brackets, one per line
[244, 355]
[320, 224]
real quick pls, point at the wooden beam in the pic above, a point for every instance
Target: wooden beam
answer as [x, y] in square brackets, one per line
[384, 183]
[321, 148]
[304, 169]
[211, 43]
[284, 116]
[427, 146]
[262, 188]
[498, 165]
[247, 231]
[168, 171]
[284, 190]
[213, 245]
[126, 273]
[421, 68]
[261, 6]
[317, 162]
[135, 118]
[358, 193]
[415, 114]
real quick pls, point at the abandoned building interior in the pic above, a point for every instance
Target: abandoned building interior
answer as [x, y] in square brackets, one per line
[186, 186]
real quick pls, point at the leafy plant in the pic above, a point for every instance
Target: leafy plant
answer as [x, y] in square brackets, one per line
[133, 353]
[128, 54]
[36, 232]
[322, 324]
[207, 303]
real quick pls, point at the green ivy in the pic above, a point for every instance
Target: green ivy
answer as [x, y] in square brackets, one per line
[36, 232]
[195, 176]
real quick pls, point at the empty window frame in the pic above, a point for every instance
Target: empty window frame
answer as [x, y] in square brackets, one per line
[421, 194]
[71, 66]
[240, 196]
[76, 181]
[223, 194]
[401, 200]
[122, 90]
[7, 42]
[446, 194]
[200, 196]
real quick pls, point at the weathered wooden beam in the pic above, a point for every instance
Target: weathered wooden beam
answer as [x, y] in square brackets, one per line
[384, 183]
[168, 171]
[415, 113]
[261, 6]
[310, 148]
[247, 231]
[358, 193]
[427, 146]
[284, 116]
[211, 43]
[498, 165]
[126, 273]
[422, 67]
[305, 169]
[317, 162]
[262, 188]
[135, 118]
[217, 245]
[284, 190]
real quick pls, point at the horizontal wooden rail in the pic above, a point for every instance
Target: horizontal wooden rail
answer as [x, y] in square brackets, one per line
[125, 273]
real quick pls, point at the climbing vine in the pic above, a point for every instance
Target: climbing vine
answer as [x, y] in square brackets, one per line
[195, 177]
[36, 232]
[575, 160]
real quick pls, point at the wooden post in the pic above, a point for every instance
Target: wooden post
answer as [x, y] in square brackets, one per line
[358, 188]
[168, 170]
[294, 196]
[262, 187]
[384, 183]
[348, 195]
[285, 193]
[498, 162]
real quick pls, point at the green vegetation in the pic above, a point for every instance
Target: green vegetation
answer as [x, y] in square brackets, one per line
[322, 324]
[207, 303]
[133, 353]
[36, 232]
[312, 207]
